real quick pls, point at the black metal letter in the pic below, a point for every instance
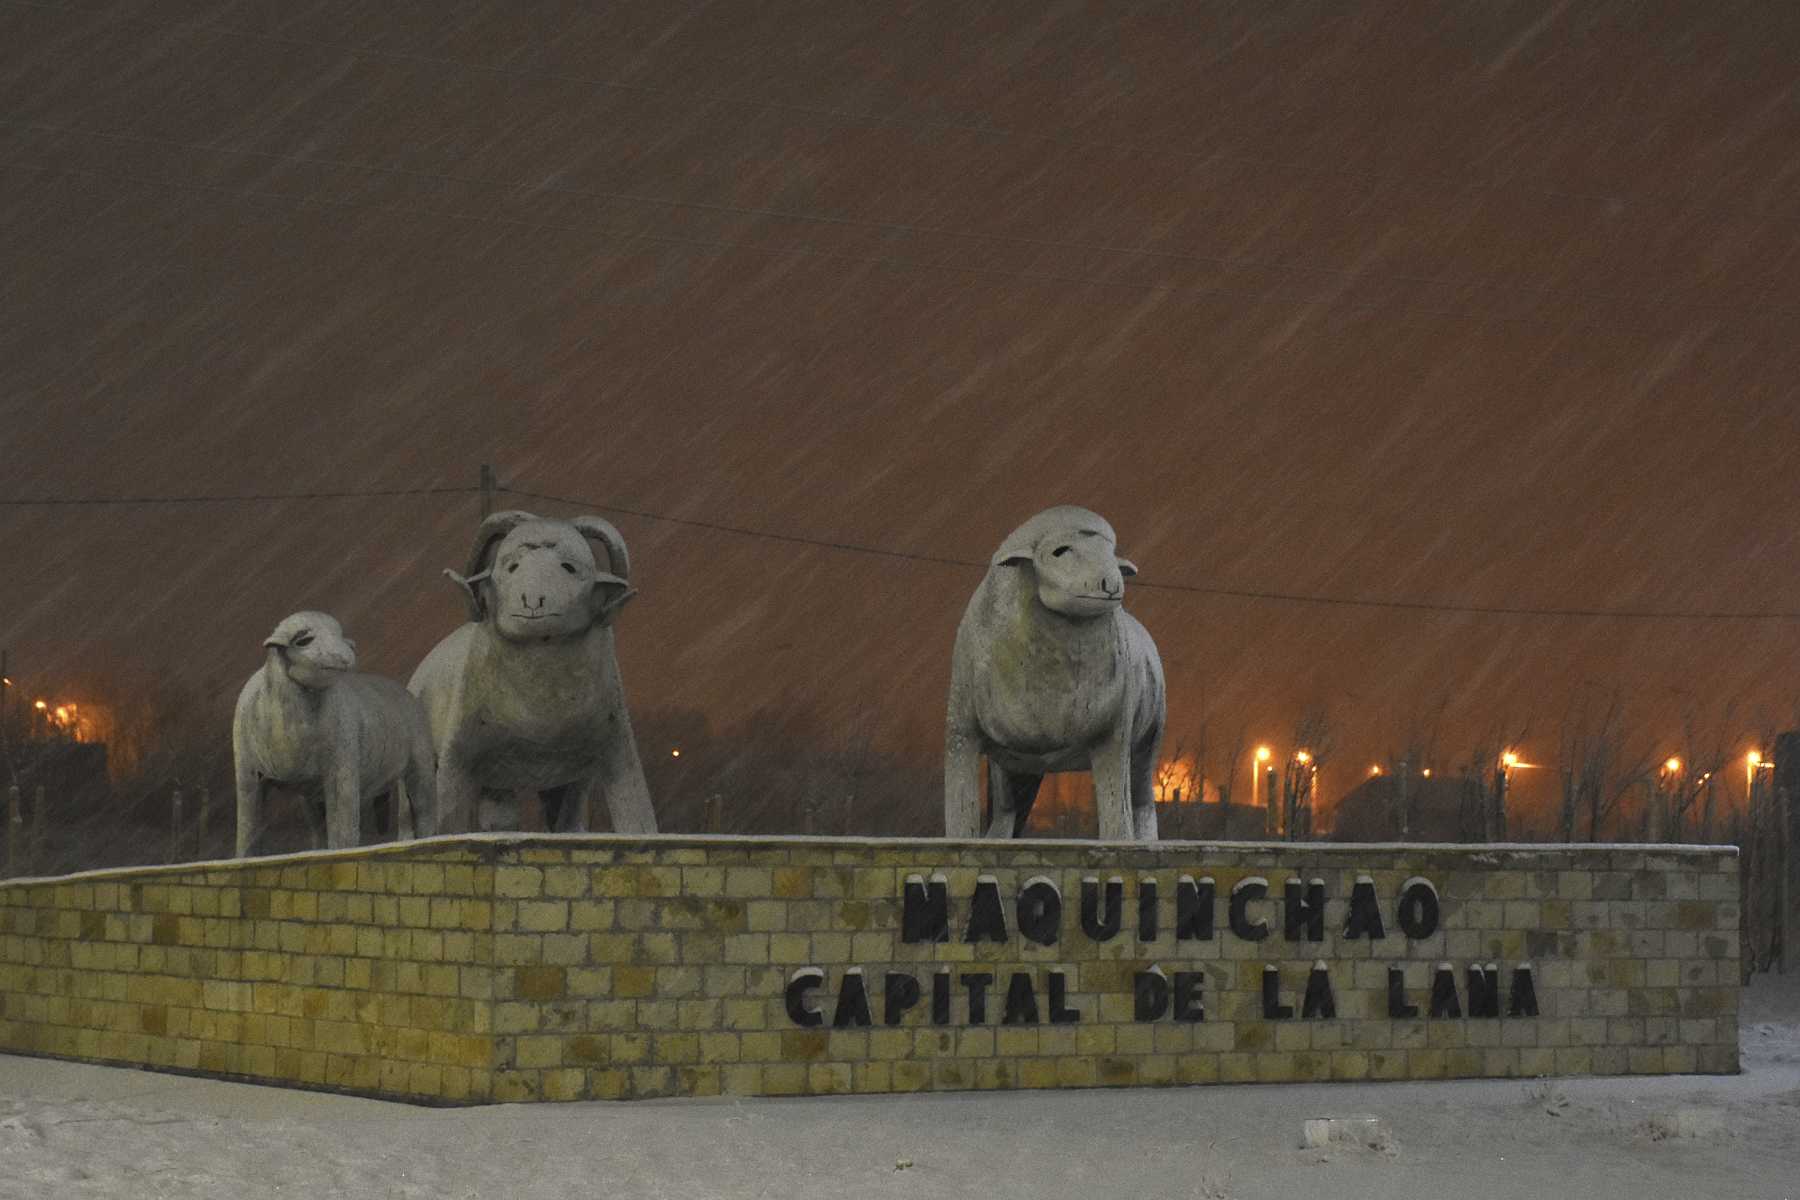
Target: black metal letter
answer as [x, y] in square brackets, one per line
[1060, 1012]
[1273, 1008]
[1484, 991]
[940, 997]
[977, 984]
[800, 983]
[1188, 1005]
[1318, 1002]
[1150, 994]
[1365, 912]
[1522, 1000]
[1398, 1008]
[1241, 896]
[1146, 910]
[1418, 910]
[1304, 908]
[1039, 911]
[925, 915]
[1021, 1001]
[900, 991]
[1193, 910]
[852, 1002]
[1091, 922]
[1443, 993]
[986, 918]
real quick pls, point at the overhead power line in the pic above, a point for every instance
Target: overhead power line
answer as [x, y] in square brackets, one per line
[1635, 614]
[1427, 606]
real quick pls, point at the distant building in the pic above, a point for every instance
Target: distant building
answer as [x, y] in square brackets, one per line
[1369, 812]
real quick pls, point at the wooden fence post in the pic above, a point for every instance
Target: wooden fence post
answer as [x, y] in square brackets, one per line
[175, 824]
[38, 806]
[1784, 829]
[15, 830]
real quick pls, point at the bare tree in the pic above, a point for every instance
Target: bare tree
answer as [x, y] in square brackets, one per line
[1314, 740]
[1234, 754]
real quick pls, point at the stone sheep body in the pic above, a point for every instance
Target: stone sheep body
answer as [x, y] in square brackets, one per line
[1049, 673]
[308, 720]
[527, 695]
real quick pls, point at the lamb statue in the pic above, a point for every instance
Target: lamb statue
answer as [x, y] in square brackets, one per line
[1050, 673]
[308, 720]
[527, 694]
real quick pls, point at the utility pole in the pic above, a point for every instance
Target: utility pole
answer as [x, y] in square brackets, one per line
[488, 486]
[5, 687]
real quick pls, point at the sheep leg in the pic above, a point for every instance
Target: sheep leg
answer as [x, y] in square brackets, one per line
[252, 799]
[381, 810]
[962, 784]
[566, 807]
[1112, 789]
[1010, 797]
[496, 809]
[622, 778]
[1143, 790]
[1143, 812]
[419, 814]
[457, 798]
[312, 804]
[343, 799]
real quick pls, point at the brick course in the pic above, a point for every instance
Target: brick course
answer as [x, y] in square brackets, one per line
[511, 967]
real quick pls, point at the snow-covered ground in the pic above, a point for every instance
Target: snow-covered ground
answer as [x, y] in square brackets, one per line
[68, 1130]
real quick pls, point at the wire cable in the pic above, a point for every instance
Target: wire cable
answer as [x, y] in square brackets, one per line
[1637, 614]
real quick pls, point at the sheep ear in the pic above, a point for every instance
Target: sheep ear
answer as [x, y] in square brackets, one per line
[1127, 568]
[494, 527]
[610, 594]
[599, 529]
[471, 586]
[1015, 549]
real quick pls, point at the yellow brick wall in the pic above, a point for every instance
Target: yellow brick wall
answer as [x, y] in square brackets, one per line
[368, 972]
[535, 968]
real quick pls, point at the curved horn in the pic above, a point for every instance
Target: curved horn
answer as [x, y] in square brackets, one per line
[598, 529]
[493, 527]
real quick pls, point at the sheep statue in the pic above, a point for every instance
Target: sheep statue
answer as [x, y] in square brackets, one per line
[527, 694]
[309, 721]
[1049, 674]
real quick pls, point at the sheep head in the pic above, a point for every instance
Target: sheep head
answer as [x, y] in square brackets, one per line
[537, 578]
[311, 649]
[1074, 555]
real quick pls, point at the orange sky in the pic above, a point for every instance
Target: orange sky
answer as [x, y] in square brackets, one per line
[1489, 306]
